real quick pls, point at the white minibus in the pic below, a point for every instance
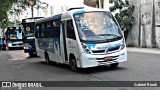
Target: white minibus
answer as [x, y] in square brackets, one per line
[81, 38]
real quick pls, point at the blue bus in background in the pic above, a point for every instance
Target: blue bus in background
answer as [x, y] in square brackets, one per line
[14, 37]
[28, 25]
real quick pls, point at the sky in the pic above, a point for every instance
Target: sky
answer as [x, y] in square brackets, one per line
[59, 3]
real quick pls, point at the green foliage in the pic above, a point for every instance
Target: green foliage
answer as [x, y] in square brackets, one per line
[125, 14]
[6, 6]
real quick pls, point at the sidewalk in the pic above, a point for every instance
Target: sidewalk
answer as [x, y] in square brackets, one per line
[144, 50]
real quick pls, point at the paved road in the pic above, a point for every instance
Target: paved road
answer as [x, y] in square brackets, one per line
[17, 66]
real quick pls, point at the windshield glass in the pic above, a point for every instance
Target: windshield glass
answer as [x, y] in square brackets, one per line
[97, 26]
[29, 30]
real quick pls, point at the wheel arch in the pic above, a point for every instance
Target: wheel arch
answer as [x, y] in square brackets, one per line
[71, 56]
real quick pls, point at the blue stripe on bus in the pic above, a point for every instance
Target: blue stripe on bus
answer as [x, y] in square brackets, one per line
[114, 48]
[57, 17]
[90, 46]
[79, 12]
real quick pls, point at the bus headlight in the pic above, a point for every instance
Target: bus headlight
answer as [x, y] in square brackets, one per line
[86, 50]
[9, 44]
[123, 45]
[27, 46]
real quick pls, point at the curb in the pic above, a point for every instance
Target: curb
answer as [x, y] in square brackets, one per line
[144, 50]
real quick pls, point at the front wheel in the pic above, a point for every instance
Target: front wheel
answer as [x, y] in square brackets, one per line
[114, 65]
[32, 54]
[73, 65]
[9, 48]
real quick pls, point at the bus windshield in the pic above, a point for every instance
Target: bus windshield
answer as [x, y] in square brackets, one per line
[13, 33]
[29, 29]
[97, 26]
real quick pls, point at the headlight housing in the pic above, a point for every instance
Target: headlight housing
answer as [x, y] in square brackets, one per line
[123, 45]
[9, 44]
[27, 46]
[86, 50]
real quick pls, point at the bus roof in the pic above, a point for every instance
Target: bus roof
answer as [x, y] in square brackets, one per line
[75, 10]
[33, 18]
[30, 20]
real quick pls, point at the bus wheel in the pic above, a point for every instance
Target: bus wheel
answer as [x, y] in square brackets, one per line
[114, 65]
[73, 64]
[31, 54]
[9, 48]
[47, 59]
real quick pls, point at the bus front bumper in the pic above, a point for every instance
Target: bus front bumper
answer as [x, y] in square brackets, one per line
[89, 60]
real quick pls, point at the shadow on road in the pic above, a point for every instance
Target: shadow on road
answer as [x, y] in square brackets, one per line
[86, 70]
[31, 57]
[15, 48]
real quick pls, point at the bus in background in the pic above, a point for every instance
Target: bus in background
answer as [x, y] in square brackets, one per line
[81, 38]
[14, 37]
[29, 37]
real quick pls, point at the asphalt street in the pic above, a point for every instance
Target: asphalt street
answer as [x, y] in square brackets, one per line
[18, 66]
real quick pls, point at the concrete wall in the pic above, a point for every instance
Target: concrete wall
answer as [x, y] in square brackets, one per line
[133, 35]
[145, 32]
[157, 22]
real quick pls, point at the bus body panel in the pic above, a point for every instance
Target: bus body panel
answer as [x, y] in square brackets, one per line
[70, 41]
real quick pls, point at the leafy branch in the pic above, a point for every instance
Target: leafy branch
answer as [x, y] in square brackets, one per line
[124, 15]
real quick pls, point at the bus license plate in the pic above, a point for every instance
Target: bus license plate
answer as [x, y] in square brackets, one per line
[108, 58]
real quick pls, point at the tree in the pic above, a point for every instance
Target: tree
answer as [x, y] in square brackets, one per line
[7, 6]
[22, 5]
[124, 15]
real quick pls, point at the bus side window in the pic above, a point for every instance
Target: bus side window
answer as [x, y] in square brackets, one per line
[56, 28]
[38, 30]
[43, 30]
[49, 30]
[70, 30]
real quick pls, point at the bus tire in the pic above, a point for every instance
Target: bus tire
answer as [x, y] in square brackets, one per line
[47, 58]
[9, 48]
[114, 65]
[31, 54]
[73, 64]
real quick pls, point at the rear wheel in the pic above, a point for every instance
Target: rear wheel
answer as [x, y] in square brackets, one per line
[114, 65]
[73, 64]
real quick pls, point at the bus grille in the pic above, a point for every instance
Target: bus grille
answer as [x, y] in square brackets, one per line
[98, 51]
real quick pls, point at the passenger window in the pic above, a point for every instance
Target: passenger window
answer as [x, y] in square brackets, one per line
[49, 30]
[56, 28]
[38, 30]
[70, 30]
[43, 30]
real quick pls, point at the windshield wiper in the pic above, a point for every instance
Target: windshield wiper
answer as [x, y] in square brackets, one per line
[90, 35]
[109, 35]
